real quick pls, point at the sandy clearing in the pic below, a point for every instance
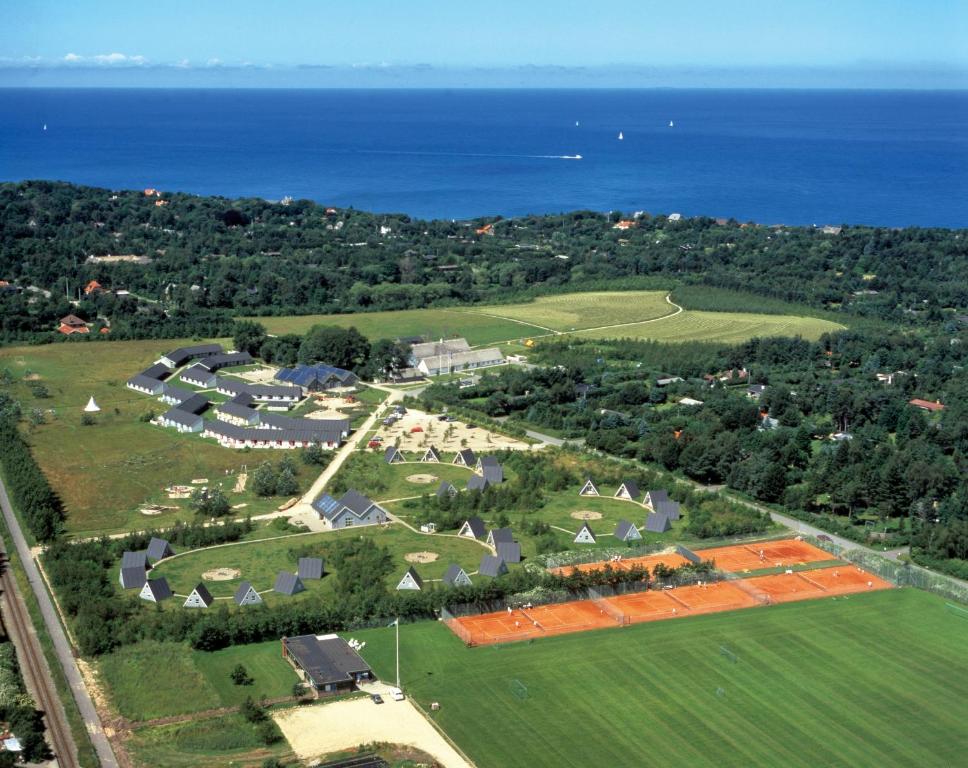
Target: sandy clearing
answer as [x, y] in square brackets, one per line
[421, 557]
[447, 437]
[221, 574]
[323, 728]
[421, 479]
[586, 514]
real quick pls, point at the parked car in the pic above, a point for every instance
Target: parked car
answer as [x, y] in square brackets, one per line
[396, 694]
[376, 698]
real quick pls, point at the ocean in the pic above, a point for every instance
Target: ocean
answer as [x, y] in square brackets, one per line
[891, 158]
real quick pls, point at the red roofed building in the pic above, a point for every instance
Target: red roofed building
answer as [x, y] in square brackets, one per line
[73, 324]
[93, 287]
[926, 405]
[625, 224]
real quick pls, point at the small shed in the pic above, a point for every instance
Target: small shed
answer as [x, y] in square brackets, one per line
[492, 565]
[200, 597]
[288, 584]
[628, 490]
[588, 489]
[466, 458]
[626, 531]
[393, 456]
[473, 528]
[456, 577]
[246, 595]
[585, 535]
[411, 580]
[310, 568]
[155, 590]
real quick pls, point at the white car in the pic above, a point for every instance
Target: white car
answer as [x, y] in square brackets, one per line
[396, 694]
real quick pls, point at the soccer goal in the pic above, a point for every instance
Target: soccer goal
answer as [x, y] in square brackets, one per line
[518, 689]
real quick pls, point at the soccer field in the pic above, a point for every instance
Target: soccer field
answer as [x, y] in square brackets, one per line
[878, 679]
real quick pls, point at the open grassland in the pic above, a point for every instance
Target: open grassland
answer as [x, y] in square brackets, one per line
[105, 470]
[571, 311]
[877, 679]
[260, 561]
[719, 327]
[431, 323]
[210, 743]
[184, 681]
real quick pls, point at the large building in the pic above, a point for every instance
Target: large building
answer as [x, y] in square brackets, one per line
[351, 509]
[317, 378]
[452, 362]
[326, 663]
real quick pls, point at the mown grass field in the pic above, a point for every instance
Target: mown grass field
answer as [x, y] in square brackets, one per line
[879, 679]
[431, 323]
[571, 311]
[721, 327]
[151, 679]
[368, 472]
[260, 561]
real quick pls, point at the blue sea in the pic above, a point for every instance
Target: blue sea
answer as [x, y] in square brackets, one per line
[890, 158]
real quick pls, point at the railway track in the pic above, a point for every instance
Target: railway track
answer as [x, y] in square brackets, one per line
[20, 627]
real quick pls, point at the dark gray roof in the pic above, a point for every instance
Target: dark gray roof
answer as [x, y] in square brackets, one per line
[688, 554]
[158, 549]
[446, 489]
[310, 568]
[242, 591]
[202, 591]
[413, 575]
[157, 371]
[476, 483]
[195, 404]
[657, 523]
[509, 551]
[323, 375]
[133, 576]
[237, 410]
[489, 461]
[477, 527]
[632, 487]
[492, 565]
[326, 660]
[356, 502]
[138, 559]
[391, 454]
[197, 373]
[501, 534]
[182, 355]
[668, 508]
[453, 574]
[177, 394]
[658, 495]
[178, 416]
[159, 588]
[288, 583]
[468, 457]
[145, 382]
[322, 433]
[493, 474]
[624, 529]
[215, 362]
[433, 452]
[280, 421]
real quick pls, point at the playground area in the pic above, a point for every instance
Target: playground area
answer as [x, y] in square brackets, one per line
[785, 553]
[532, 622]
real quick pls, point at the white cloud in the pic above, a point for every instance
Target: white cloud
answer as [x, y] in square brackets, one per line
[106, 59]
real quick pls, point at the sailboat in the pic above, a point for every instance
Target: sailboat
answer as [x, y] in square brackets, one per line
[671, 124]
[45, 126]
[576, 123]
[620, 136]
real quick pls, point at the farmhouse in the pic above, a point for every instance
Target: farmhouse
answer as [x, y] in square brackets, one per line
[317, 378]
[393, 456]
[246, 595]
[288, 584]
[326, 662]
[456, 577]
[588, 489]
[629, 490]
[585, 535]
[215, 363]
[310, 568]
[451, 362]
[465, 458]
[411, 580]
[351, 509]
[492, 565]
[158, 549]
[199, 377]
[199, 598]
[626, 531]
[926, 405]
[155, 590]
[178, 357]
[473, 528]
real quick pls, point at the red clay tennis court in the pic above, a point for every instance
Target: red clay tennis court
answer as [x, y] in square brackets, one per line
[671, 560]
[820, 582]
[658, 604]
[737, 558]
[539, 621]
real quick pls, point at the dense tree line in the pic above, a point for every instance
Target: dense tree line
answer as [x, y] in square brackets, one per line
[30, 492]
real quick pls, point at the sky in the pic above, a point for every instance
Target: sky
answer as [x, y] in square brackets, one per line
[818, 43]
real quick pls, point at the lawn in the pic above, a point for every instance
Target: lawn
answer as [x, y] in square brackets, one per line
[369, 473]
[570, 311]
[260, 561]
[719, 327]
[430, 323]
[879, 679]
[104, 471]
[184, 681]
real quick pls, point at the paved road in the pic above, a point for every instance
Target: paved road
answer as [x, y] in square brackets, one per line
[557, 441]
[61, 646]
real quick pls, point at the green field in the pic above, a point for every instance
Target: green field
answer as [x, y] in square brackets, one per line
[184, 681]
[571, 311]
[368, 472]
[430, 323]
[878, 679]
[719, 327]
[260, 561]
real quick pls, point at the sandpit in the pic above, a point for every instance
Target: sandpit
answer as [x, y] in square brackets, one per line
[586, 514]
[421, 479]
[420, 557]
[151, 511]
[221, 574]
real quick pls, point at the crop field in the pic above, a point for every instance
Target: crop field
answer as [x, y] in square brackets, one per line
[260, 561]
[876, 679]
[431, 323]
[571, 311]
[719, 327]
[193, 681]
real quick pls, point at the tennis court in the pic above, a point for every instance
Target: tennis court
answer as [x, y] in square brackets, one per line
[821, 582]
[669, 559]
[682, 601]
[737, 558]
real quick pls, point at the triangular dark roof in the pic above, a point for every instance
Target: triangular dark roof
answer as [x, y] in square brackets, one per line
[158, 549]
[466, 457]
[493, 473]
[585, 527]
[624, 529]
[476, 526]
[433, 453]
[133, 576]
[492, 565]
[243, 591]
[658, 495]
[356, 502]
[509, 551]
[476, 483]
[202, 591]
[668, 508]
[446, 489]
[159, 588]
[632, 487]
[498, 535]
[138, 559]
[392, 454]
[657, 523]
[454, 574]
[414, 576]
[288, 583]
[310, 568]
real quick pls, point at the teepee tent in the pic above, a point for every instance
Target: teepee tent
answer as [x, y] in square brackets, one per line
[91, 406]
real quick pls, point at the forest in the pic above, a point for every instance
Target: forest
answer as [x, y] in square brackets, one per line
[186, 265]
